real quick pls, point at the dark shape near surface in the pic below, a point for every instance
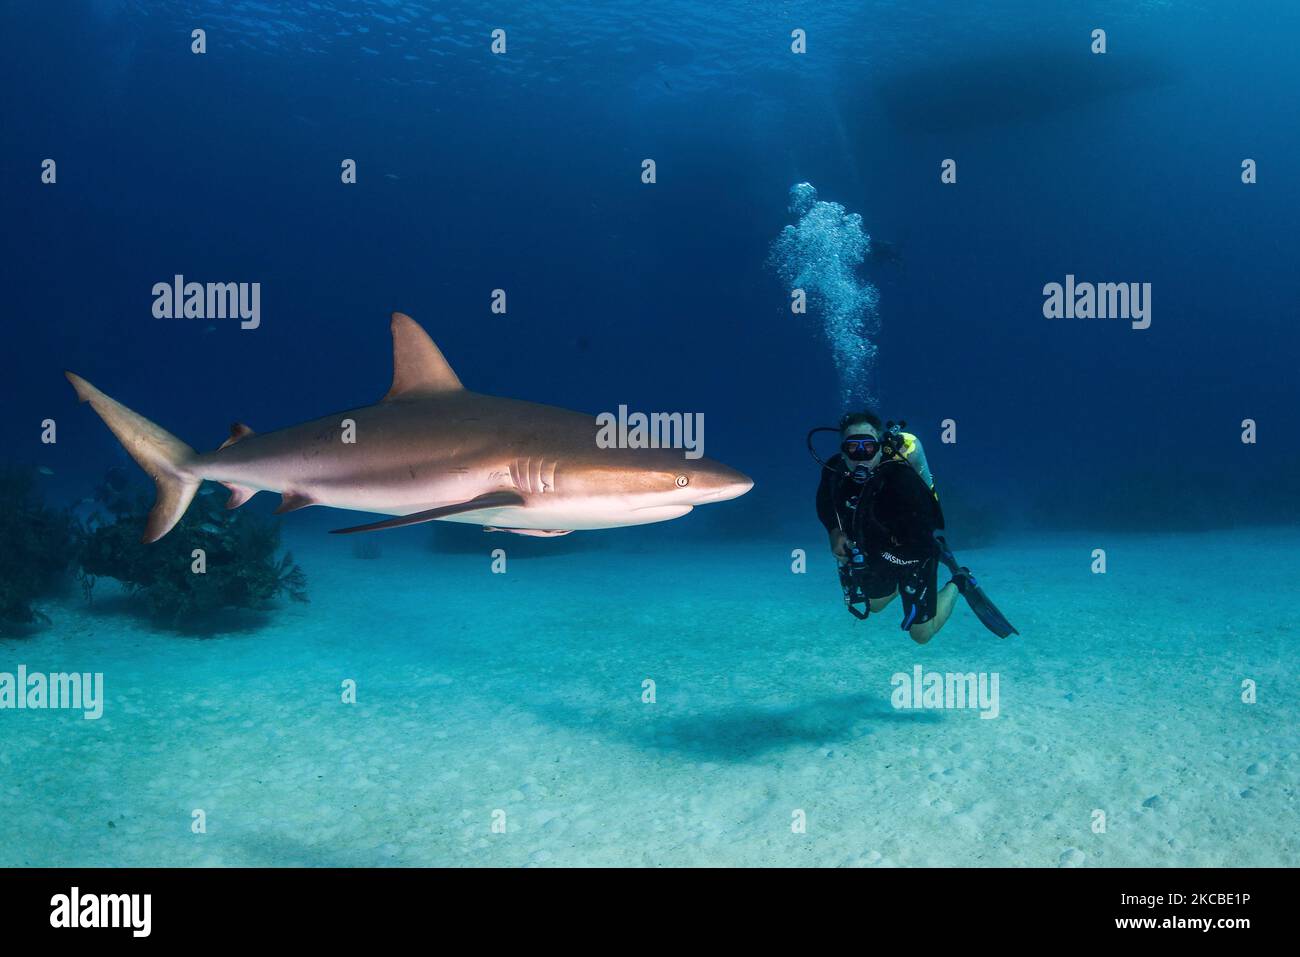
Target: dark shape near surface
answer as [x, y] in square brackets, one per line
[1009, 86]
[980, 604]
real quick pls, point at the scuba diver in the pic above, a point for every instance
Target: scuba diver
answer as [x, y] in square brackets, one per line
[879, 506]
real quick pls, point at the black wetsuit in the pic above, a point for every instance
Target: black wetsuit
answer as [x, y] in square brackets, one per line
[892, 518]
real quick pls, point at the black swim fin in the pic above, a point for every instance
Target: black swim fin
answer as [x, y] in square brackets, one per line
[979, 603]
[987, 612]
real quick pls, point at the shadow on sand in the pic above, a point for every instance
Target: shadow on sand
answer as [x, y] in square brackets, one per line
[458, 539]
[273, 849]
[220, 623]
[745, 733]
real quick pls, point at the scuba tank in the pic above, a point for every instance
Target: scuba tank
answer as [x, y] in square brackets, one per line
[907, 447]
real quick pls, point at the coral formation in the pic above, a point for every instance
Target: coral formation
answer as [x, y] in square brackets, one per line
[38, 547]
[238, 566]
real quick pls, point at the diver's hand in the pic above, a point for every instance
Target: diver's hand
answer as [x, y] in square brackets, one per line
[839, 545]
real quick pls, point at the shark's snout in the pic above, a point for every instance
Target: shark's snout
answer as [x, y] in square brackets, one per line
[721, 484]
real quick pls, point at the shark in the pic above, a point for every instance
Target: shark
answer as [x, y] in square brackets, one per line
[429, 450]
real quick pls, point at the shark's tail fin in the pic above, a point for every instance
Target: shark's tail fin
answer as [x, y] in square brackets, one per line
[162, 455]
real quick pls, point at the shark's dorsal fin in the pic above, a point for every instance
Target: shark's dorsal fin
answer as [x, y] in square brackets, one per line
[237, 431]
[419, 368]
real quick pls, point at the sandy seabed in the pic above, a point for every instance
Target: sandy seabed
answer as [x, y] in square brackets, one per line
[521, 693]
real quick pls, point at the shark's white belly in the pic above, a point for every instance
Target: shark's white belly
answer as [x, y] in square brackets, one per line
[563, 516]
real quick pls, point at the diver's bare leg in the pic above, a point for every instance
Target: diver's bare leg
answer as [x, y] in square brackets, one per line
[879, 603]
[943, 605]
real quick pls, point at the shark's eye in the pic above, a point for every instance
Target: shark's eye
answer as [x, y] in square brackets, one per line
[682, 481]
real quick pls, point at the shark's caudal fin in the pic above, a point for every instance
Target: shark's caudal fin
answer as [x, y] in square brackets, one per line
[162, 455]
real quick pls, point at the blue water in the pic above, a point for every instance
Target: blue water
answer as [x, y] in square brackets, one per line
[523, 172]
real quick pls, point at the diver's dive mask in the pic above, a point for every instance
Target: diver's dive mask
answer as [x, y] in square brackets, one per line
[860, 448]
[859, 457]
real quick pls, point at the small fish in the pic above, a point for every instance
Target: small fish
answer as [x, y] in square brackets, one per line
[210, 528]
[882, 251]
[45, 470]
[392, 176]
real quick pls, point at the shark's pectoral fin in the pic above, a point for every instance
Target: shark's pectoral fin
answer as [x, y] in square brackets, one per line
[292, 501]
[536, 532]
[237, 431]
[238, 495]
[501, 499]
